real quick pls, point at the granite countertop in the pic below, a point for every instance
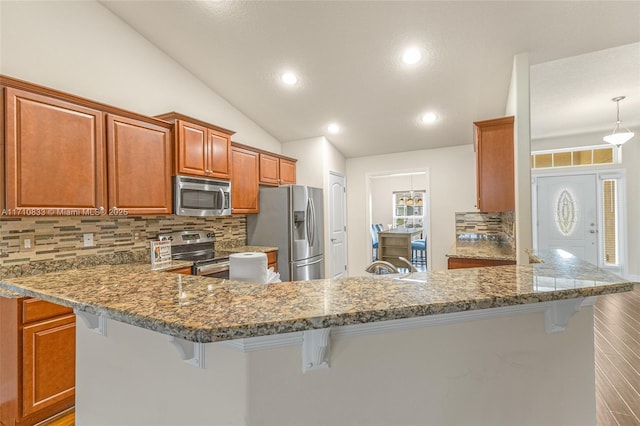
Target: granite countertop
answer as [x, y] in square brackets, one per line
[204, 309]
[483, 249]
[243, 249]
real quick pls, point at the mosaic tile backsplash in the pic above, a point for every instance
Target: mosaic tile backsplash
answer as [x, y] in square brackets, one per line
[491, 226]
[61, 239]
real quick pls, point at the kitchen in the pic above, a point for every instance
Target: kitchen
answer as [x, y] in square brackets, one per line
[190, 96]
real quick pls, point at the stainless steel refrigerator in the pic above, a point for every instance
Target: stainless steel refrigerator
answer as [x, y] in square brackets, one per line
[291, 218]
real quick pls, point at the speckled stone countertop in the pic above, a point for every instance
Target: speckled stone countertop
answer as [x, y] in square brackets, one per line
[204, 309]
[243, 249]
[483, 249]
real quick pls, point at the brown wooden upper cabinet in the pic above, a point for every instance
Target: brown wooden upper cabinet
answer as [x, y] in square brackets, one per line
[276, 170]
[64, 152]
[244, 180]
[55, 153]
[138, 166]
[201, 149]
[494, 165]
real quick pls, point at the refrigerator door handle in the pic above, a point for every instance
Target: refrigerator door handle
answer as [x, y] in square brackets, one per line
[307, 223]
[307, 264]
[313, 222]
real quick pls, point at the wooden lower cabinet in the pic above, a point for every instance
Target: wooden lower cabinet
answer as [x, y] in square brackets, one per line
[463, 262]
[186, 270]
[272, 260]
[37, 360]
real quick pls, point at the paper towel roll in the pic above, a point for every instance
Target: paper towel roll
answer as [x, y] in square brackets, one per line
[248, 266]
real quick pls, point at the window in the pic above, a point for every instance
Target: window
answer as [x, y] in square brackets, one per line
[583, 156]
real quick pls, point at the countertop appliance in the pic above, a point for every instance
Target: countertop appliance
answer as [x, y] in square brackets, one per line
[194, 196]
[198, 247]
[291, 218]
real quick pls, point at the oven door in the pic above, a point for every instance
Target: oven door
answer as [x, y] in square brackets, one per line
[213, 270]
[201, 197]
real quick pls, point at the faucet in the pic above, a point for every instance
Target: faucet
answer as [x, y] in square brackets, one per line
[383, 267]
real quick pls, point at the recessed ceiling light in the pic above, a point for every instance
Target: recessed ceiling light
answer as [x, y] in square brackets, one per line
[411, 56]
[333, 128]
[429, 117]
[289, 78]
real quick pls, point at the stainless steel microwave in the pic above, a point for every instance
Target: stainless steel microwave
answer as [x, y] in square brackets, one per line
[201, 196]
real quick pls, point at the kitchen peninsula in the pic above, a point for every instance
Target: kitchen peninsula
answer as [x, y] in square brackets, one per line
[504, 345]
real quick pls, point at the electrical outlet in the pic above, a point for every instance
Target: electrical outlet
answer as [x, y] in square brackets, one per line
[27, 242]
[87, 240]
[136, 236]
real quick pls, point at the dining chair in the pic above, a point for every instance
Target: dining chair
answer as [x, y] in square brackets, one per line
[374, 242]
[419, 252]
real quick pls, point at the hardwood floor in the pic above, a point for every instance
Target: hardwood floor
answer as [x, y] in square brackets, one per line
[66, 418]
[617, 359]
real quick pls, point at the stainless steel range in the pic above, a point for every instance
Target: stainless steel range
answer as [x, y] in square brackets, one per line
[198, 247]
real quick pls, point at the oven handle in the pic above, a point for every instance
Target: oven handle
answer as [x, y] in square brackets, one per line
[208, 269]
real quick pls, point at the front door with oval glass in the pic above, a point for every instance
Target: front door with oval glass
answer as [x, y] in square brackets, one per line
[567, 215]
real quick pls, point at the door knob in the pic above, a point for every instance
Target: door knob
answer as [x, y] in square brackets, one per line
[593, 231]
[333, 240]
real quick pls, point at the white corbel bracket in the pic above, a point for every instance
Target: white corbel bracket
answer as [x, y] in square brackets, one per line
[316, 349]
[95, 323]
[558, 314]
[191, 353]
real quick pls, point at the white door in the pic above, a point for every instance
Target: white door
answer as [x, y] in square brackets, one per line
[567, 215]
[337, 226]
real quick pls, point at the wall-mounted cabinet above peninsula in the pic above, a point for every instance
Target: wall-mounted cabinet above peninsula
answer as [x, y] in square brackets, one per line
[493, 143]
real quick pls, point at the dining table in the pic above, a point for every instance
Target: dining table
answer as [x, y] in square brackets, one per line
[395, 243]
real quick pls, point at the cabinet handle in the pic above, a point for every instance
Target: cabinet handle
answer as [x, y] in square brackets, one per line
[207, 171]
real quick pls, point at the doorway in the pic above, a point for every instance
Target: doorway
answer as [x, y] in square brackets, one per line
[387, 196]
[583, 214]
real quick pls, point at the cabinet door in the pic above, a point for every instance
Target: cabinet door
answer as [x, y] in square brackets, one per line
[139, 167]
[269, 169]
[494, 165]
[219, 155]
[287, 172]
[272, 260]
[244, 181]
[49, 360]
[191, 149]
[54, 153]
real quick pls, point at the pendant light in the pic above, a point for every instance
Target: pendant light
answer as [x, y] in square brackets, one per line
[617, 137]
[410, 199]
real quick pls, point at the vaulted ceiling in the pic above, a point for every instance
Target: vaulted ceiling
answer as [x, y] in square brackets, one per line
[346, 55]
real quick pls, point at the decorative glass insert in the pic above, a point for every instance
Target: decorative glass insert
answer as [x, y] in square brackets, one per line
[610, 221]
[566, 214]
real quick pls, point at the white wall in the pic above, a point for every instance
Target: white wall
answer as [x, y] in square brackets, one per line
[452, 188]
[518, 106]
[82, 48]
[631, 163]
